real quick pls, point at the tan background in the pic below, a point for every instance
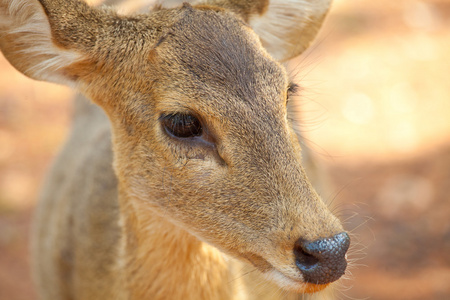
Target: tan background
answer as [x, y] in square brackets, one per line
[376, 109]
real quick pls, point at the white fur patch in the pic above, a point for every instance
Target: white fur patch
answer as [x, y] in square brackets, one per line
[283, 281]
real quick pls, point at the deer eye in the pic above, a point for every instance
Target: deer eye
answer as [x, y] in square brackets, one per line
[293, 88]
[182, 125]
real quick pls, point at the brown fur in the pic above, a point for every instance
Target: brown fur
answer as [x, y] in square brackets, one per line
[174, 219]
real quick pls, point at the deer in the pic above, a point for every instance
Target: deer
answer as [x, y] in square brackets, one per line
[185, 177]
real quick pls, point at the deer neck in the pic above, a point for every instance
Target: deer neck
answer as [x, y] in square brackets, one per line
[163, 261]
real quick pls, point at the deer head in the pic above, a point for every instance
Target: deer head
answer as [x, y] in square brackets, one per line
[196, 96]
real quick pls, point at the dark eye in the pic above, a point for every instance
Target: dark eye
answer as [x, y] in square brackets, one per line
[182, 125]
[291, 91]
[293, 88]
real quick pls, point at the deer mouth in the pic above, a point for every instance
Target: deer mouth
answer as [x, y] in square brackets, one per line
[293, 285]
[284, 281]
[316, 264]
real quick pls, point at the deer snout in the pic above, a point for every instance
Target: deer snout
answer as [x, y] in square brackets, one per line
[322, 261]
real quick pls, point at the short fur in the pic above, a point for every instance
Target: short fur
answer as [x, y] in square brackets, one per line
[171, 219]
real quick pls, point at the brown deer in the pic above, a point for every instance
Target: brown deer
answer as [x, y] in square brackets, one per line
[193, 186]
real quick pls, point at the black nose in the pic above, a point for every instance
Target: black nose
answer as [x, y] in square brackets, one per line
[322, 261]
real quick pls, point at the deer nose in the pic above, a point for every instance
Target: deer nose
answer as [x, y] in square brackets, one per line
[322, 261]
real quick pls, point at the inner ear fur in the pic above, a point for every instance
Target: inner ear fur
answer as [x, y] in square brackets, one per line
[41, 39]
[286, 27]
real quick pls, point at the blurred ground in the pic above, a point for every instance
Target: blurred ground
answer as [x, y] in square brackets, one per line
[376, 109]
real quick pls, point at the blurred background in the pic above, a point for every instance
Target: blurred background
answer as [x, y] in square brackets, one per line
[375, 107]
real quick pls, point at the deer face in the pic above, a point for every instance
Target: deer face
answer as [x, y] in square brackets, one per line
[200, 130]
[202, 137]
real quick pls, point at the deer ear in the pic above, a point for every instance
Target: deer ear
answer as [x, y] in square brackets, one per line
[286, 27]
[37, 43]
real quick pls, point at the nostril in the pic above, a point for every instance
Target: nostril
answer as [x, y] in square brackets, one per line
[322, 261]
[304, 260]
